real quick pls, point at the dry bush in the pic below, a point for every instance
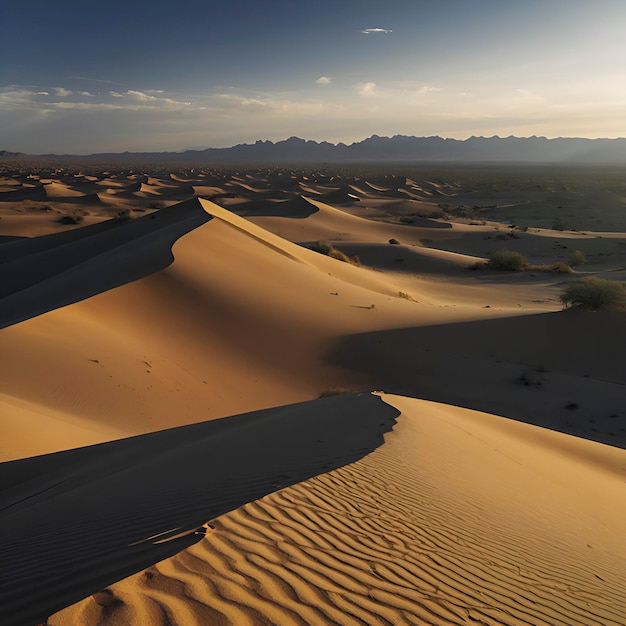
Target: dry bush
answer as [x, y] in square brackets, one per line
[507, 260]
[595, 294]
[577, 258]
[70, 220]
[323, 247]
[559, 267]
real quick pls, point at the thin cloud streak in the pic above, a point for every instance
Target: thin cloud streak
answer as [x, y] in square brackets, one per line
[372, 31]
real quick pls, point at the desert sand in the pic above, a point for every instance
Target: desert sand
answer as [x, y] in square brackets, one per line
[204, 420]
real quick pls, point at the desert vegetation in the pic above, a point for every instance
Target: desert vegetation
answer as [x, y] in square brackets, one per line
[595, 294]
[323, 247]
[508, 260]
[577, 258]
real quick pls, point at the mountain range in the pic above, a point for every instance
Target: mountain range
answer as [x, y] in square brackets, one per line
[399, 148]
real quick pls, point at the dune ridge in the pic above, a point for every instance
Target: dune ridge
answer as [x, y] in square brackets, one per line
[137, 500]
[455, 519]
[41, 274]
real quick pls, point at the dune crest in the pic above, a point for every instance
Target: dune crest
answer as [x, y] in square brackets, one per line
[96, 514]
[455, 519]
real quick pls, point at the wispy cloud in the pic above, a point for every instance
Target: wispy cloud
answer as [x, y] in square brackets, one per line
[62, 92]
[372, 31]
[324, 80]
[93, 80]
[367, 90]
[428, 89]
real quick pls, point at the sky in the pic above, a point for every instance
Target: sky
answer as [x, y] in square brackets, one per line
[85, 77]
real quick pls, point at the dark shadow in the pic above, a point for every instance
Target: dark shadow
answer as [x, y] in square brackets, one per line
[74, 522]
[564, 371]
[40, 274]
[297, 207]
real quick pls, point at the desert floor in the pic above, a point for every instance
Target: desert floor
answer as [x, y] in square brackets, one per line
[204, 420]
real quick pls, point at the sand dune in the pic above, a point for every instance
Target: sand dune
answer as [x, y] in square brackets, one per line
[173, 347]
[161, 318]
[145, 498]
[459, 517]
[45, 273]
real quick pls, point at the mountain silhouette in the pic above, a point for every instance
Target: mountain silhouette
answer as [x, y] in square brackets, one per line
[375, 149]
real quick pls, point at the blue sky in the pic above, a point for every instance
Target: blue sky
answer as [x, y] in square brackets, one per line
[82, 77]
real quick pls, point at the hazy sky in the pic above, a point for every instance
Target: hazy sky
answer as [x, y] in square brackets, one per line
[84, 77]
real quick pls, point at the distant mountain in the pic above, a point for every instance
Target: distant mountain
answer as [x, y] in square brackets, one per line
[399, 148]
[6, 153]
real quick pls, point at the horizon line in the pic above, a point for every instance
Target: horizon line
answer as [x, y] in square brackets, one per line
[4, 151]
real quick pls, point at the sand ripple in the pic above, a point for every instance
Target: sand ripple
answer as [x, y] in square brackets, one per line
[396, 538]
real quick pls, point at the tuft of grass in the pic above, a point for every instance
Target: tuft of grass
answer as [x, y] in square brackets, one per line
[559, 267]
[69, 220]
[595, 294]
[507, 260]
[333, 391]
[323, 247]
[122, 216]
[577, 258]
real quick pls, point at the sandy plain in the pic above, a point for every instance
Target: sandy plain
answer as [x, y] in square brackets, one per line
[203, 420]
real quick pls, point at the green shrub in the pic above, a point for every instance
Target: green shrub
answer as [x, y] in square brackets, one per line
[577, 258]
[595, 294]
[508, 260]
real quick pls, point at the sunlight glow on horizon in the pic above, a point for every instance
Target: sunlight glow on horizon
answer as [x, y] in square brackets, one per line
[426, 68]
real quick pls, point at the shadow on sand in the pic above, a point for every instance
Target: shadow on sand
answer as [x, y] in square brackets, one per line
[564, 371]
[41, 274]
[73, 522]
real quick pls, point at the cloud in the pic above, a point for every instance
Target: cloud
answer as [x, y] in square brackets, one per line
[324, 80]
[93, 80]
[116, 94]
[428, 89]
[367, 90]
[85, 106]
[62, 92]
[371, 31]
[140, 95]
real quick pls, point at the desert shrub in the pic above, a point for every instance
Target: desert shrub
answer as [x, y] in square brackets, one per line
[559, 267]
[323, 247]
[333, 391]
[70, 219]
[577, 258]
[394, 241]
[122, 216]
[595, 294]
[508, 260]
